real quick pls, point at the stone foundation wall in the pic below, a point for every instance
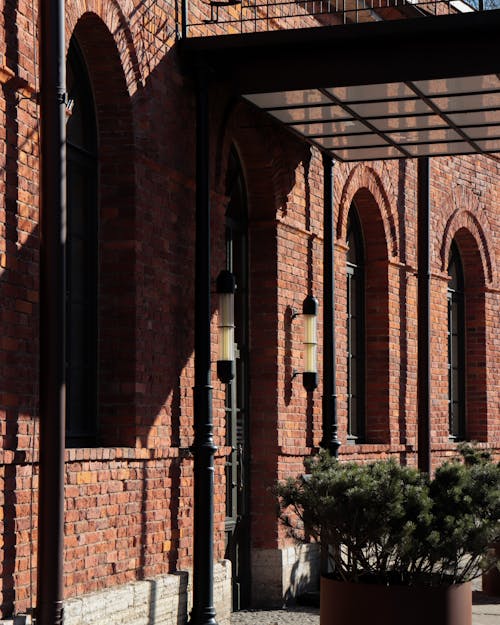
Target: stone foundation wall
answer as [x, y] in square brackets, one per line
[163, 600]
[280, 575]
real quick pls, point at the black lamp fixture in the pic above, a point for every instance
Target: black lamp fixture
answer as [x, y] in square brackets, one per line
[226, 286]
[310, 314]
[310, 371]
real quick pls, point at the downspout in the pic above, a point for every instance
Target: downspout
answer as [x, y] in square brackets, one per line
[424, 337]
[184, 18]
[52, 313]
[203, 448]
[330, 438]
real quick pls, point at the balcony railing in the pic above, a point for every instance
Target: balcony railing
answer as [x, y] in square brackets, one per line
[219, 17]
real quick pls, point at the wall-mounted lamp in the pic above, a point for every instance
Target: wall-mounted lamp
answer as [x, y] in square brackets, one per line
[310, 314]
[226, 286]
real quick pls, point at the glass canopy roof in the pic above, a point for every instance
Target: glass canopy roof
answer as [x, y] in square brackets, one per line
[394, 120]
[381, 90]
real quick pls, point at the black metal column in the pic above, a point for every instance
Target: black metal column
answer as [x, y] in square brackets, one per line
[203, 448]
[52, 313]
[330, 439]
[424, 337]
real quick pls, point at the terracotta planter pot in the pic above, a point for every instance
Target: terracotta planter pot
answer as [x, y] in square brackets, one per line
[491, 579]
[343, 603]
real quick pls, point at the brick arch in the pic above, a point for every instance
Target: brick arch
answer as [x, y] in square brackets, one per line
[474, 241]
[116, 230]
[364, 182]
[112, 15]
[268, 159]
[364, 190]
[475, 245]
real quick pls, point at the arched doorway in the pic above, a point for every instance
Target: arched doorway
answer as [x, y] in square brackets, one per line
[237, 525]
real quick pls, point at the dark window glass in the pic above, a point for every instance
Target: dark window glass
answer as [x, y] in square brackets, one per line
[81, 255]
[456, 346]
[355, 330]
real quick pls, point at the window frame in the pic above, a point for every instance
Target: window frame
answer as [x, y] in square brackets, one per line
[82, 251]
[355, 323]
[457, 365]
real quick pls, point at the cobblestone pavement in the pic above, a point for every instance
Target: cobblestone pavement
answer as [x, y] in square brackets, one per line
[288, 616]
[485, 611]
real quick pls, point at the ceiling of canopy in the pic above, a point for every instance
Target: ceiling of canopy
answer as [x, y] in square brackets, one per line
[393, 120]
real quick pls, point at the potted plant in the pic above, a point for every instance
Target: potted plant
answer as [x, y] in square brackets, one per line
[491, 576]
[396, 539]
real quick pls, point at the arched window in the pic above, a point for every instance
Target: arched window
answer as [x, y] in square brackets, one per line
[355, 330]
[81, 255]
[456, 346]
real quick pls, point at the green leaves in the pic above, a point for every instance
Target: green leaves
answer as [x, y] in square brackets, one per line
[388, 522]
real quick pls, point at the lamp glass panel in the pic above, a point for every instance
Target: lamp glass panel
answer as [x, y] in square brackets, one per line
[226, 326]
[310, 358]
[310, 329]
[226, 340]
[310, 343]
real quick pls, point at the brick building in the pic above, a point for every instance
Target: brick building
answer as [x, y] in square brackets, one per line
[128, 529]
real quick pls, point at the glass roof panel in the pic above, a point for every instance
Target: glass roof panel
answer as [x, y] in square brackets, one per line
[468, 102]
[490, 145]
[388, 91]
[425, 136]
[311, 113]
[407, 123]
[465, 84]
[352, 141]
[368, 154]
[477, 117]
[330, 128]
[482, 132]
[391, 107]
[288, 98]
[436, 149]
[370, 121]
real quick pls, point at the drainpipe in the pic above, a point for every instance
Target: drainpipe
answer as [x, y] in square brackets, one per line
[203, 448]
[424, 337]
[52, 313]
[330, 438]
[184, 19]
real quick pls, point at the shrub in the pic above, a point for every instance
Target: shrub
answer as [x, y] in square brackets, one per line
[387, 523]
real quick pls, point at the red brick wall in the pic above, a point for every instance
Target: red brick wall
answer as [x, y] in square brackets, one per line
[129, 501]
